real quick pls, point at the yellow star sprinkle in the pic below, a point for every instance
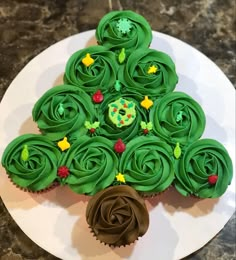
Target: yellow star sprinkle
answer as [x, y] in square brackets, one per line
[87, 60]
[146, 103]
[63, 144]
[152, 69]
[120, 177]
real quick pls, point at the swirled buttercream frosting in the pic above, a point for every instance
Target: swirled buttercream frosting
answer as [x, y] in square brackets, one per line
[92, 164]
[149, 72]
[205, 170]
[63, 110]
[91, 69]
[113, 131]
[117, 215]
[124, 29]
[177, 118]
[31, 161]
[147, 164]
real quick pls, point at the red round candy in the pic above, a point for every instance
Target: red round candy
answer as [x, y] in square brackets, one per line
[212, 179]
[119, 146]
[98, 97]
[145, 131]
[63, 172]
[92, 130]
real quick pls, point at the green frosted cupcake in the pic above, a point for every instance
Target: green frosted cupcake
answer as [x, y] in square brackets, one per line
[91, 69]
[120, 116]
[31, 162]
[92, 165]
[147, 165]
[63, 111]
[178, 118]
[149, 72]
[124, 29]
[205, 170]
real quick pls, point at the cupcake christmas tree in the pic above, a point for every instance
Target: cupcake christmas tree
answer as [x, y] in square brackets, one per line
[116, 130]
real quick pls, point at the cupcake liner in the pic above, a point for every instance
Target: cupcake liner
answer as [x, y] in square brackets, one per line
[149, 195]
[110, 245]
[49, 188]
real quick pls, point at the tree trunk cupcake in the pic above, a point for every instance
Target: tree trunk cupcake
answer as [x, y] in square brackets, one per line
[117, 216]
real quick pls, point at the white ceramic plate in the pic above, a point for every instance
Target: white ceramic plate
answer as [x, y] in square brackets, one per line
[56, 220]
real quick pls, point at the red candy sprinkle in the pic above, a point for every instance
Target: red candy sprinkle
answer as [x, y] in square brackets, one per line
[63, 172]
[115, 109]
[129, 115]
[98, 97]
[119, 146]
[122, 122]
[125, 106]
[145, 131]
[212, 179]
[92, 130]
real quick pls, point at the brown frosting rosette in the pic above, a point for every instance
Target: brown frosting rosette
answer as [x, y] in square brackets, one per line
[117, 215]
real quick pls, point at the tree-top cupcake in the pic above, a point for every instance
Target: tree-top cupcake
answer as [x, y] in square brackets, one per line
[124, 30]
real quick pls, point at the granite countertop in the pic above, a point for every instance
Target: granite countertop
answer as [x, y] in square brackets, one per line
[28, 27]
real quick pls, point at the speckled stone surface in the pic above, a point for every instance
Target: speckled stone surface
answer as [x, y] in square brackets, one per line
[28, 27]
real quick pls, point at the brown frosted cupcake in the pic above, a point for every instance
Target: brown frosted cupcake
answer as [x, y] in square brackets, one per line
[117, 216]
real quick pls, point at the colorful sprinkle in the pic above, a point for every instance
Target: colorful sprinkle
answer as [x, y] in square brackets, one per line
[98, 97]
[63, 172]
[124, 25]
[177, 151]
[179, 116]
[87, 60]
[152, 69]
[25, 153]
[119, 146]
[146, 103]
[212, 179]
[117, 85]
[120, 177]
[61, 109]
[122, 56]
[63, 144]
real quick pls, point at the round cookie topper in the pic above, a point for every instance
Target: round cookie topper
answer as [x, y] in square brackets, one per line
[122, 112]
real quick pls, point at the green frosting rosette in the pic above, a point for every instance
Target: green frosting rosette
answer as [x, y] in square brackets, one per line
[124, 29]
[92, 165]
[205, 170]
[149, 72]
[147, 164]
[111, 129]
[31, 162]
[177, 118]
[91, 69]
[63, 110]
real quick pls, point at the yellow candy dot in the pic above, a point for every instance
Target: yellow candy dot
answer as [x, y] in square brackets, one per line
[152, 69]
[120, 177]
[146, 103]
[63, 144]
[88, 60]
